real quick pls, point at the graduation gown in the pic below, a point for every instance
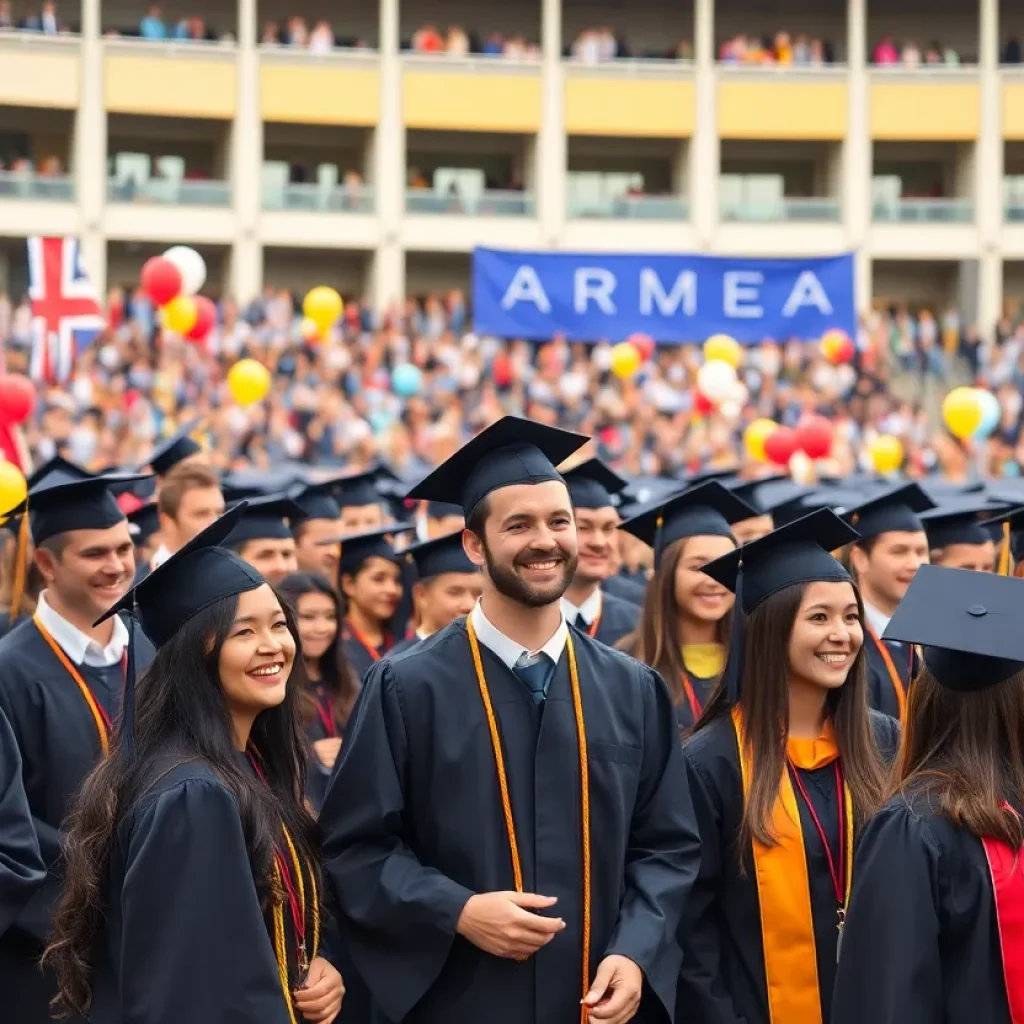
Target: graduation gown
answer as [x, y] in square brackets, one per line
[618, 618]
[404, 645]
[882, 693]
[723, 979]
[360, 657]
[59, 745]
[413, 827]
[320, 727]
[186, 939]
[627, 588]
[921, 943]
[21, 867]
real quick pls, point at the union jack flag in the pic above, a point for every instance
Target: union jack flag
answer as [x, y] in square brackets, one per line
[66, 312]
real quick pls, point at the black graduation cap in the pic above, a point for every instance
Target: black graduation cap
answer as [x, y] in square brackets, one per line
[754, 491]
[896, 509]
[246, 484]
[703, 511]
[87, 504]
[359, 489]
[57, 470]
[593, 485]
[193, 578]
[958, 523]
[967, 622]
[511, 451]
[441, 555]
[316, 500]
[357, 547]
[174, 449]
[1007, 530]
[266, 518]
[707, 474]
[144, 522]
[442, 509]
[835, 498]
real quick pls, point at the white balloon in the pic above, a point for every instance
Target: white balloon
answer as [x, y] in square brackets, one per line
[731, 409]
[739, 393]
[715, 380]
[190, 265]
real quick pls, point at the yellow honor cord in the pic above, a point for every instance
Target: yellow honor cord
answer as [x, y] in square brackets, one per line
[280, 946]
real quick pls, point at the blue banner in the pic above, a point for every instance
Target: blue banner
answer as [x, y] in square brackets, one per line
[598, 296]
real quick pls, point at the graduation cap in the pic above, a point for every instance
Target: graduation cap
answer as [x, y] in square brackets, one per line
[836, 499]
[144, 522]
[441, 555]
[1010, 536]
[356, 548]
[894, 510]
[707, 474]
[359, 489]
[593, 485]
[193, 578]
[797, 553]
[266, 518]
[316, 500]
[756, 492]
[57, 470]
[174, 449]
[247, 484]
[442, 510]
[967, 622]
[704, 511]
[958, 523]
[509, 452]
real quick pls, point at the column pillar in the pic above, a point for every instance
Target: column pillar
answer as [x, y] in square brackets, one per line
[857, 152]
[705, 149]
[246, 156]
[90, 153]
[552, 145]
[989, 171]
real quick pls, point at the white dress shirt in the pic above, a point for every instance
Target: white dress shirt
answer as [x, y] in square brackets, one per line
[878, 621]
[508, 650]
[159, 557]
[588, 611]
[81, 649]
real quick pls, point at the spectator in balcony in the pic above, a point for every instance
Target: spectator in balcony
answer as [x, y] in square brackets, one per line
[886, 52]
[428, 40]
[911, 55]
[152, 25]
[271, 35]
[684, 51]
[457, 43]
[6, 17]
[298, 33]
[45, 21]
[1012, 52]
[950, 57]
[783, 49]
[933, 55]
[494, 46]
[321, 39]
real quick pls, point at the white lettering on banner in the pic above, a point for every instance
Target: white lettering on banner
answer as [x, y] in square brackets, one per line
[594, 283]
[742, 286]
[526, 287]
[807, 291]
[652, 293]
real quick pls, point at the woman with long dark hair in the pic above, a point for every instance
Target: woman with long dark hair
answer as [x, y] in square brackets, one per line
[684, 627]
[193, 889]
[935, 930]
[785, 766]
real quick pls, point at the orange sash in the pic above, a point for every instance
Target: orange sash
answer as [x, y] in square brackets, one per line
[1007, 874]
[890, 667]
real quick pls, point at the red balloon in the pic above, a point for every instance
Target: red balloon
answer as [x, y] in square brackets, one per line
[643, 343]
[17, 398]
[161, 280]
[814, 436]
[845, 351]
[206, 317]
[781, 445]
[702, 405]
[501, 370]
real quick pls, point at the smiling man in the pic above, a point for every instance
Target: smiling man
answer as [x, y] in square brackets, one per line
[510, 831]
[263, 536]
[60, 688]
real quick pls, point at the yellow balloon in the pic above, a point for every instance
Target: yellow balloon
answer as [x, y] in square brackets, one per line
[323, 306]
[248, 381]
[721, 346]
[962, 412]
[886, 453]
[626, 360]
[755, 435]
[180, 314]
[13, 487]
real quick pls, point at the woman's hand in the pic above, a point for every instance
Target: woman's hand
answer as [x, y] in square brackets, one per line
[327, 751]
[319, 999]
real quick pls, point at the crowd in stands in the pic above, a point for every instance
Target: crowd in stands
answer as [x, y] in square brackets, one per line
[45, 19]
[908, 54]
[782, 48]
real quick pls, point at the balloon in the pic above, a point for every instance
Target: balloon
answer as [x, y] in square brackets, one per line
[731, 409]
[961, 412]
[406, 380]
[814, 436]
[626, 360]
[502, 371]
[643, 343]
[248, 381]
[309, 329]
[181, 314]
[755, 436]
[161, 280]
[991, 412]
[17, 398]
[837, 346]
[886, 453]
[13, 487]
[702, 405]
[723, 348]
[191, 266]
[717, 379]
[206, 317]
[780, 445]
[323, 306]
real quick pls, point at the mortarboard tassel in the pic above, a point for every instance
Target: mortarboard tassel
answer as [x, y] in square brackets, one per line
[128, 699]
[20, 565]
[657, 540]
[734, 662]
[1004, 551]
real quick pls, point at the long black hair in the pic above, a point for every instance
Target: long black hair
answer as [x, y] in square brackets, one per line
[181, 715]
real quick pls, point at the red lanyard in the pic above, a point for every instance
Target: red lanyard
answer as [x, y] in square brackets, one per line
[352, 632]
[325, 716]
[836, 867]
[691, 696]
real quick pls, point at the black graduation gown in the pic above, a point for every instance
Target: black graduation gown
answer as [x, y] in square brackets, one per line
[358, 656]
[59, 746]
[318, 775]
[881, 693]
[22, 870]
[702, 689]
[618, 619]
[723, 976]
[413, 827]
[627, 588]
[921, 944]
[402, 618]
[186, 939]
[404, 645]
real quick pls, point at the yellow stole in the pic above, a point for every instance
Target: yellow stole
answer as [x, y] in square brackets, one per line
[704, 661]
[783, 888]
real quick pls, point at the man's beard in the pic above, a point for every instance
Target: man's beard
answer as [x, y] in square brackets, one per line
[511, 585]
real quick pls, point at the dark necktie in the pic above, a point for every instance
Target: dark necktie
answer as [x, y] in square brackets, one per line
[536, 674]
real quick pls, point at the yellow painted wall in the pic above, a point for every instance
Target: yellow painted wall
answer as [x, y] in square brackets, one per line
[39, 79]
[782, 110]
[1013, 110]
[456, 101]
[320, 95]
[925, 111]
[171, 87]
[629, 107]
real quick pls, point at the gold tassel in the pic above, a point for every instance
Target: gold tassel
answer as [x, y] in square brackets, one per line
[20, 565]
[1004, 551]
